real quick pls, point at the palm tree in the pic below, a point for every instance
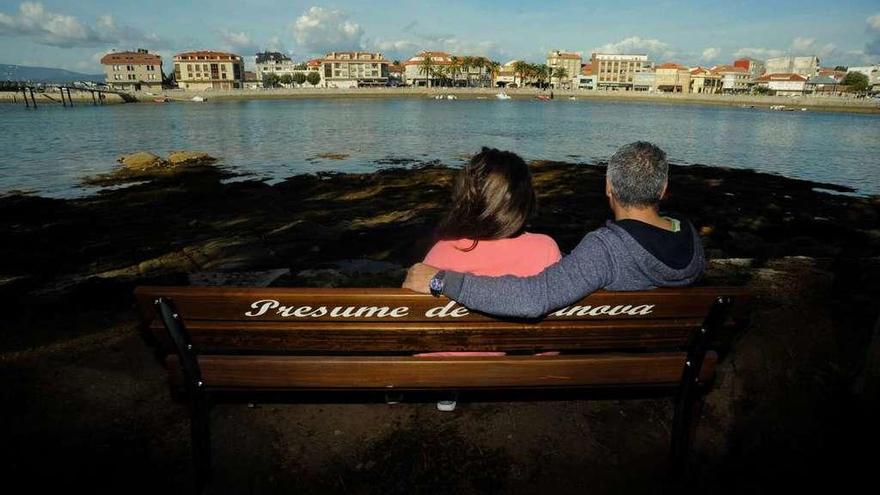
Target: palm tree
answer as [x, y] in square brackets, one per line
[467, 63]
[426, 67]
[454, 69]
[560, 73]
[479, 63]
[542, 73]
[494, 67]
[520, 67]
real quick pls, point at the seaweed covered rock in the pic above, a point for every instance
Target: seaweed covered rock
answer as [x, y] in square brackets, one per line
[141, 161]
[188, 158]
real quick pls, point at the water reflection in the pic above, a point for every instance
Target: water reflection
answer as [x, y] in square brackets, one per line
[51, 149]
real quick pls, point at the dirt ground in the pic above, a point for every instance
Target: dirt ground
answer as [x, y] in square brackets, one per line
[86, 404]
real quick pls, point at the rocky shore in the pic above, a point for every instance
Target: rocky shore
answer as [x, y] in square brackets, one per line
[88, 398]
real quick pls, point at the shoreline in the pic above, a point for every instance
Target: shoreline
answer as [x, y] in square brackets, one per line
[818, 103]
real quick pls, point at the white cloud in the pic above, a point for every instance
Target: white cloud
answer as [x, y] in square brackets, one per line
[633, 44]
[874, 22]
[803, 44]
[237, 39]
[760, 53]
[710, 54]
[872, 47]
[34, 22]
[320, 30]
[637, 45]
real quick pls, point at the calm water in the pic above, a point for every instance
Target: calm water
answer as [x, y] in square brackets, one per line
[50, 150]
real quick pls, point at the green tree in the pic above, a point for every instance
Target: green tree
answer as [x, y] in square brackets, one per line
[520, 67]
[454, 69]
[313, 78]
[271, 80]
[286, 79]
[560, 74]
[299, 78]
[857, 81]
[494, 67]
[426, 67]
[761, 90]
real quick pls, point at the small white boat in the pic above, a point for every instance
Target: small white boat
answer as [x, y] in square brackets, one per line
[572, 98]
[777, 107]
[198, 98]
[451, 97]
[502, 96]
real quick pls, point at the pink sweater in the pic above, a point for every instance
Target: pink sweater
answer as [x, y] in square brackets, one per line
[525, 255]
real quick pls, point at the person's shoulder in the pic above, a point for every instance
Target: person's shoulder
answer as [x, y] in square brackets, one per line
[542, 240]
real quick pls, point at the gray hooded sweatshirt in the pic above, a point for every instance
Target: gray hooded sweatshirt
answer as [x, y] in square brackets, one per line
[606, 258]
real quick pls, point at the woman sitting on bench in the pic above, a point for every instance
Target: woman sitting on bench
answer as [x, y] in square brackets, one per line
[484, 230]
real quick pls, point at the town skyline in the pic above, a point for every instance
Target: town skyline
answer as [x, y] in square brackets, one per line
[55, 34]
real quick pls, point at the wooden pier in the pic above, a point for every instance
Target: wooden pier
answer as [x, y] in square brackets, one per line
[29, 91]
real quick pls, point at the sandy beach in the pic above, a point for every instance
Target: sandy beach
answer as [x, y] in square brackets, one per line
[89, 402]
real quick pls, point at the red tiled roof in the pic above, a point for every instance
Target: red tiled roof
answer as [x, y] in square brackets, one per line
[671, 65]
[207, 55]
[781, 76]
[573, 56]
[315, 62]
[132, 58]
[727, 68]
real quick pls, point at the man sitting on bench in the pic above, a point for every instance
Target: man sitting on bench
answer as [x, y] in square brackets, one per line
[638, 250]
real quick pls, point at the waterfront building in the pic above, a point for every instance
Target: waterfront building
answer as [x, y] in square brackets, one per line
[672, 78]
[616, 71]
[251, 80]
[205, 70]
[786, 84]
[570, 61]
[133, 71]
[645, 81]
[823, 84]
[354, 69]
[273, 63]
[754, 67]
[873, 73]
[837, 75]
[396, 74]
[506, 75]
[805, 66]
[446, 69]
[705, 81]
[582, 81]
[733, 79]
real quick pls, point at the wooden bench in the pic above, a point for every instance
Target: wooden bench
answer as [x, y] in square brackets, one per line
[220, 340]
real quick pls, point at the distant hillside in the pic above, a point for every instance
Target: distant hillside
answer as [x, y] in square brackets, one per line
[44, 74]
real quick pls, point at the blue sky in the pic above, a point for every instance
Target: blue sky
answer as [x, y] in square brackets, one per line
[73, 35]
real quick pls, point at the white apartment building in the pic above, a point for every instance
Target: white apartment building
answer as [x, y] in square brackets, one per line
[788, 84]
[616, 71]
[354, 69]
[273, 63]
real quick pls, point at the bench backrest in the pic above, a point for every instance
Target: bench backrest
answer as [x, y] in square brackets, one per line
[364, 338]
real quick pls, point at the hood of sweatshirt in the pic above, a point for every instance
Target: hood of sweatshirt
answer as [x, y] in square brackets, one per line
[634, 265]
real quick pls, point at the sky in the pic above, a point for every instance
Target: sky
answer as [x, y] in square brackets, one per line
[74, 35]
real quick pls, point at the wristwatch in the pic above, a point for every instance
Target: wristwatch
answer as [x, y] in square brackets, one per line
[436, 283]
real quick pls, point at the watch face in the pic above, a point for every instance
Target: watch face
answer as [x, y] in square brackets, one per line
[436, 284]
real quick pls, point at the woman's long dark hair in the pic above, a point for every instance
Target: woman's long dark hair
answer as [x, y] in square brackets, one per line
[492, 198]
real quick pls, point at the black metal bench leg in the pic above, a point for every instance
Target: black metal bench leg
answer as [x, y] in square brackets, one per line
[689, 399]
[199, 406]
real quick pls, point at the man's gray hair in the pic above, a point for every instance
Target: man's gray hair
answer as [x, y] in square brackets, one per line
[638, 171]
